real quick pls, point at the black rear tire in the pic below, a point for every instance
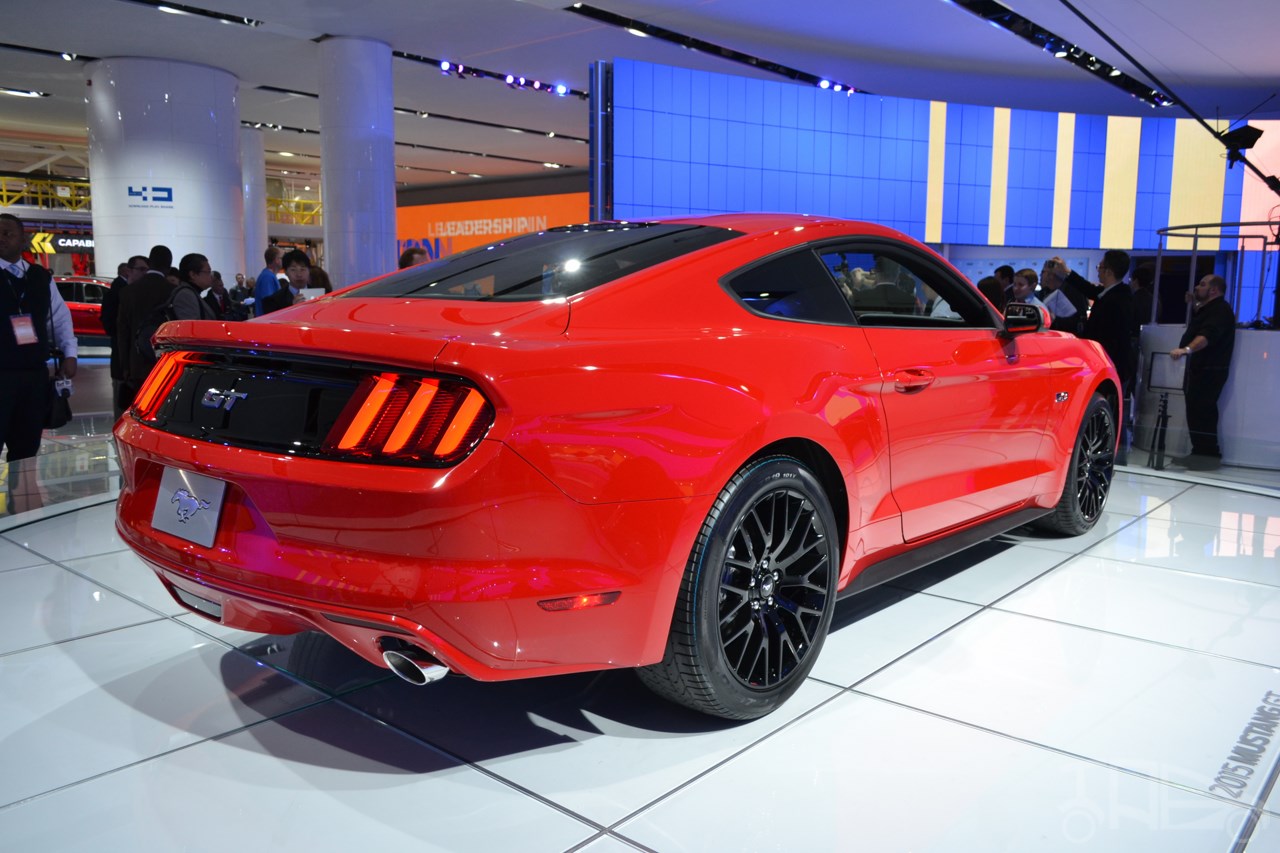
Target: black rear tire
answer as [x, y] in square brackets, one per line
[1084, 495]
[757, 596]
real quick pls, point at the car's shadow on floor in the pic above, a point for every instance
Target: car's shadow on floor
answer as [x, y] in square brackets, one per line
[477, 721]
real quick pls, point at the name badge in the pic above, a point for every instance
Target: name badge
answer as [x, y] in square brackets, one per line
[23, 330]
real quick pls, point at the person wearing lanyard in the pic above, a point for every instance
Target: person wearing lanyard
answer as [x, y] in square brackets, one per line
[26, 326]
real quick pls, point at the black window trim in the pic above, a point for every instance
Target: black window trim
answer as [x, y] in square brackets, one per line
[725, 282]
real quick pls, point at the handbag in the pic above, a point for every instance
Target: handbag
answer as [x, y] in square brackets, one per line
[57, 410]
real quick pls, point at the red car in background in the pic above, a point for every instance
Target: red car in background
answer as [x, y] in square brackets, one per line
[665, 445]
[83, 295]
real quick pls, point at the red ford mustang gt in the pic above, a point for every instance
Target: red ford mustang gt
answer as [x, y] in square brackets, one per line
[665, 445]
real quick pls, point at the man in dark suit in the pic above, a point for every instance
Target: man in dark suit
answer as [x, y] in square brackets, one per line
[218, 298]
[1110, 321]
[26, 304]
[137, 303]
[130, 271]
[1209, 341]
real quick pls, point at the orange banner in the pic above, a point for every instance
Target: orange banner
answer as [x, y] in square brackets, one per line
[443, 229]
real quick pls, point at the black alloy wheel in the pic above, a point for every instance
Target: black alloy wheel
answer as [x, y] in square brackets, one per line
[1093, 459]
[757, 597]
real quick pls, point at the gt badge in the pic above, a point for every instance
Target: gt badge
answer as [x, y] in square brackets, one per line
[215, 399]
[1061, 397]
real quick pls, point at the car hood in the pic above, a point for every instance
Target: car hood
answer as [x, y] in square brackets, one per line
[387, 330]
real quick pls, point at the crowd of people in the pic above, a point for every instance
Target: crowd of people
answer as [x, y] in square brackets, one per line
[1112, 312]
[150, 290]
[147, 291]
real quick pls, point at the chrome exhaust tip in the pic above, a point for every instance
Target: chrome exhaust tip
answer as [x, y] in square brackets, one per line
[414, 666]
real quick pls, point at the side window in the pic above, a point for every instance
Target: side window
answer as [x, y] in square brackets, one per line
[94, 292]
[887, 287]
[67, 290]
[793, 286]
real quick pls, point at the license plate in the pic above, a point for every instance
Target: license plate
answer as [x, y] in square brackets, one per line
[188, 505]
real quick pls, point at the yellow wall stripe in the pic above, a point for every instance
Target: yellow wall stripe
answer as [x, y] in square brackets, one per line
[1195, 193]
[1120, 182]
[1066, 158]
[937, 166]
[999, 177]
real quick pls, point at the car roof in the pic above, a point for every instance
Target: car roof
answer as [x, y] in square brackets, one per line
[761, 223]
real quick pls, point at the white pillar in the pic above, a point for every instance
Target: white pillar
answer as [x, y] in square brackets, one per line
[357, 159]
[254, 180]
[164, 161]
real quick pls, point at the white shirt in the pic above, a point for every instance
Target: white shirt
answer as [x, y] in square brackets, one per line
[64, 333]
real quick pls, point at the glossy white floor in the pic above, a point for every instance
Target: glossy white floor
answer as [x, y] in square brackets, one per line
[1115, 692]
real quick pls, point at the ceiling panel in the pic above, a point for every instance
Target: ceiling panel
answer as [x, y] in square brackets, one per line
[1220, 58]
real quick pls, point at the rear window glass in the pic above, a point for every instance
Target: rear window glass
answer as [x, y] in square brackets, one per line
[549, 264]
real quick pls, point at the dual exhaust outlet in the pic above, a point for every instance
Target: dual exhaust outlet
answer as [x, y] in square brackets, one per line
[414, 666]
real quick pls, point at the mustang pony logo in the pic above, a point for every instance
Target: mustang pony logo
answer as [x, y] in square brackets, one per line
[188, 504]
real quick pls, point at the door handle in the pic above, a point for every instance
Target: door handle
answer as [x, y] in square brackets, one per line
[912, 380]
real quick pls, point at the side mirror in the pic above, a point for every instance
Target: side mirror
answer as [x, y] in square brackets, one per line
[1022, 317]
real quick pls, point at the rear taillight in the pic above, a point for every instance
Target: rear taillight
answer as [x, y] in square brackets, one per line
[161, 380]
[414, 418]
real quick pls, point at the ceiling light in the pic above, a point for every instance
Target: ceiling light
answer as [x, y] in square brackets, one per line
[285, 153]
[463, 72]
[171, 10]
[688, 42]
[994, 12]
[22, 93]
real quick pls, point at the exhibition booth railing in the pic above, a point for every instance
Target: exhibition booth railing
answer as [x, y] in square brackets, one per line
[1249, 426]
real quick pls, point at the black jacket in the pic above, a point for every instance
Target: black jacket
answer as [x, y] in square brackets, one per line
[1217, 323]
[1110, 322]
[282, 298]
[136, 305]
[28, 295]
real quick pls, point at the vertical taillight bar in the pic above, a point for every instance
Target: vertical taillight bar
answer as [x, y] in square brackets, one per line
[160, 381]
[411, 418]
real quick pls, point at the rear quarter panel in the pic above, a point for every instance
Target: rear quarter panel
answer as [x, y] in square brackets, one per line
[666, 386]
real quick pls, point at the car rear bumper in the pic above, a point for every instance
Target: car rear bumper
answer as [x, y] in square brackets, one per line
[453, 561]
